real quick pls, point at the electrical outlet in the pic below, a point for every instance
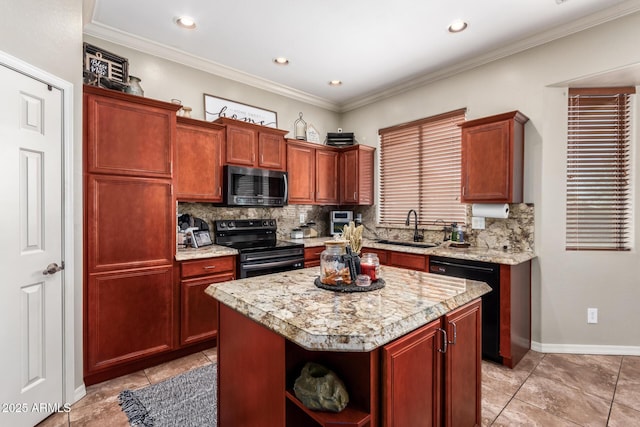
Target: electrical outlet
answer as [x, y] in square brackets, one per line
[592, 315]
[477, 222]
[302, 218]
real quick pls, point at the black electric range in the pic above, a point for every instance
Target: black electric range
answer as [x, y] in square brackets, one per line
[260, 250]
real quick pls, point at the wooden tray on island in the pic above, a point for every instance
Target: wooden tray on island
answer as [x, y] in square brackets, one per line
[376, 284]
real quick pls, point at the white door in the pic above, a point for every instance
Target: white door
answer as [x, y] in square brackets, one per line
[31, 311]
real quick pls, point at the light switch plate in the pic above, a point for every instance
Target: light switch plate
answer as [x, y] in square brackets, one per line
[477, 222]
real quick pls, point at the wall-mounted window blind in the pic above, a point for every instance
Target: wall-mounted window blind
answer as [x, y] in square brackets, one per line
[420, 169]
[598, 167]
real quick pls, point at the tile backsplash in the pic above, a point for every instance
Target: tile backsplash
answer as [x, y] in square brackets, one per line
[515, 232]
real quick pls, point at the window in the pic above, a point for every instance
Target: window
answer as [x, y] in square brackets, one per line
[598, 167]
[420, 169]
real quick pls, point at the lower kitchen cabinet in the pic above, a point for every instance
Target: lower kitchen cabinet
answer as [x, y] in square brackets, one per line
[198, 311]
[312, 256]
[400, 259]
[432, 376]
[130, 316]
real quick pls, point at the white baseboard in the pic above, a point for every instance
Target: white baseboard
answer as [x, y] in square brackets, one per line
[614, 350]
[79, 393]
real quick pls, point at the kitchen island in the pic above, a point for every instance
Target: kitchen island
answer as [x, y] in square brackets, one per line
[409, 353]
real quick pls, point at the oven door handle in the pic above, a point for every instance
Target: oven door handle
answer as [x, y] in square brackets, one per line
[262, 266]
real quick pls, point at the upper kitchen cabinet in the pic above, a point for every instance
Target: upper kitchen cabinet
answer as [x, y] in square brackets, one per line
[253, 145]
[313, 173]
[356, 175]
[493, 158]
[128, 138]
[199, 160]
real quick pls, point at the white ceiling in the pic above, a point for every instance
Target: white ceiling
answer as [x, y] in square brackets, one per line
[375, 47]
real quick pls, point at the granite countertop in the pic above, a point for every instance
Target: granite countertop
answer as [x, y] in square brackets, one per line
[471, 253]
[210, 251]
[316, 319]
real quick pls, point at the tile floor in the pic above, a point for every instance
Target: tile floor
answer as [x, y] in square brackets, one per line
[543, 390]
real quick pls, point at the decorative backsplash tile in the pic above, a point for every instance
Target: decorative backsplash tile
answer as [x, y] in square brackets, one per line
[515, 232]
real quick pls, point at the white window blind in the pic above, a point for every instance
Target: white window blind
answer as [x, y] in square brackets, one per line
[598, 167]
[420, 169]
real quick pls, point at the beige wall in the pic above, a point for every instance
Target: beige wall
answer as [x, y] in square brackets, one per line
[47, 34]
[564, 283]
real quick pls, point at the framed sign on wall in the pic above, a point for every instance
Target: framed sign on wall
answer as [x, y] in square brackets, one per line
[216, 107]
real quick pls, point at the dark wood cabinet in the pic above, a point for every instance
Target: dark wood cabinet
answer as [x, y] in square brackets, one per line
[198, 311]
[462, 397]
[412, 378]
[407, 260]
[356, 175]
[515, 312]
[326, 173]
[252, 145]
[312, 256]
[129, 316]
[313, 173]
[301, 167]
[199, 160]
[432, 376]
[493, 159]
[130, 300]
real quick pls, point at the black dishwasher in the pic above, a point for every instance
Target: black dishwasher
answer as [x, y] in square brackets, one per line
[484, 272]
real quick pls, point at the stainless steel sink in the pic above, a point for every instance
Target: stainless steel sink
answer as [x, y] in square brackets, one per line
[412, 244]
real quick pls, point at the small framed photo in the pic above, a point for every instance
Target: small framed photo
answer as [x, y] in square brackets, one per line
[202, 238]
[312, 134]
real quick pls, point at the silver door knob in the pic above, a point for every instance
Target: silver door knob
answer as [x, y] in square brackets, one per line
[53, 268]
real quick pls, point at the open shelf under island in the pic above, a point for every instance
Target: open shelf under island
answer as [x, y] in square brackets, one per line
[409, 353]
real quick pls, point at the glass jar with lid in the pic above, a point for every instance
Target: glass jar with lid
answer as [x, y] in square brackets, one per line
[370, 265]
[333, 270]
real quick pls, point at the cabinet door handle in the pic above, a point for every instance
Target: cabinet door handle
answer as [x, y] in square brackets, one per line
[355, 195]
[209, 267]
[455, 333]
[444, 341]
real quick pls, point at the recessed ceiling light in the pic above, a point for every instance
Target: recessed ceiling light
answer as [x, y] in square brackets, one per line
[457, 26]
[281, 60]
[335, 83]
[186, 22]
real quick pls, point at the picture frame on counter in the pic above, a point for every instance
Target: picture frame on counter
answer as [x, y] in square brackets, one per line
[202, 238]
[216, 107]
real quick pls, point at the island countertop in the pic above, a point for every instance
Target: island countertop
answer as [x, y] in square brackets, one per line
[316, 319]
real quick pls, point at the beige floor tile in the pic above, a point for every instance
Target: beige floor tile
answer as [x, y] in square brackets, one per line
[596, 375]
[493, 402]
[212, 354]
[107, 414]
[623, 416]
[108, 391]
[499, 377]
[628, 388]
[59, 419]
[564, 401]
[518, 413]
[175, 367]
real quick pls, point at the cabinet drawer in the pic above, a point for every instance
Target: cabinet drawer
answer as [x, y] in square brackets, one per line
[410, 261]
[207, 266]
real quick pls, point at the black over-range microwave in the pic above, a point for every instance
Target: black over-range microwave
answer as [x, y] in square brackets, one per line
[254, 187]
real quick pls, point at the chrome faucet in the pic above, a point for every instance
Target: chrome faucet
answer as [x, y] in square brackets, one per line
[416, 237]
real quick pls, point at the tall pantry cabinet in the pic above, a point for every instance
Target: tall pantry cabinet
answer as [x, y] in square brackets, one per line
[129, 298]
